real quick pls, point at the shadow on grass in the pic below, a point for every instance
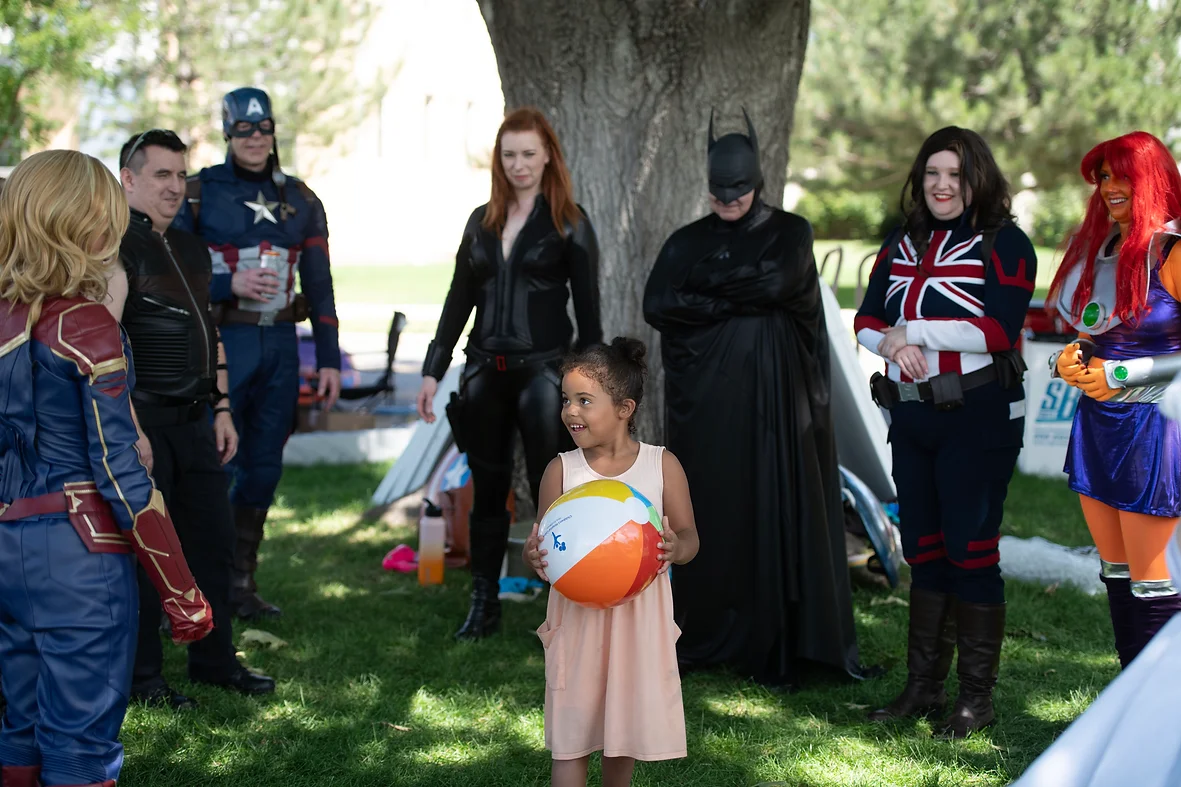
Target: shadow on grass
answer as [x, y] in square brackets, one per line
[374, 690]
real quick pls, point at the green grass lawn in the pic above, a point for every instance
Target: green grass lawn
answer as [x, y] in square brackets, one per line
[427, 284]
[373, 690]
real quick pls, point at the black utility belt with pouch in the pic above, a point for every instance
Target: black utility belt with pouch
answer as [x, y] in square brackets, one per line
[458, 404]
[946, 391]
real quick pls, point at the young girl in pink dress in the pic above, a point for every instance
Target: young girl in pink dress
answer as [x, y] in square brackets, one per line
[611, 677]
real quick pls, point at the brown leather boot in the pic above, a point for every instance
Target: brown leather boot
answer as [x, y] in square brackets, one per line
[244, 598]
[980, 634]
[930, 647]
[20, 776]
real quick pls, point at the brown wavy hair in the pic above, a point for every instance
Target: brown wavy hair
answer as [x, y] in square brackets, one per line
[991, 204]
[555, 181]
[62, 217]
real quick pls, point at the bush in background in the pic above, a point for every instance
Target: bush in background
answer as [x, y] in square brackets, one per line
[842, 214]
[1056, 213]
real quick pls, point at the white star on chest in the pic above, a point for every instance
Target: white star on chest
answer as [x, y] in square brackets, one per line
[262, 209]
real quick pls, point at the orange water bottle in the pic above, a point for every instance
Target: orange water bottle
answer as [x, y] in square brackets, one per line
[432, 538]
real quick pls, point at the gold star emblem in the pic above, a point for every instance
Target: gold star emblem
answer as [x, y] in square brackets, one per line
[262, 209]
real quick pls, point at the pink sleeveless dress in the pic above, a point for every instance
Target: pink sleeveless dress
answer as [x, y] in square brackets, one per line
[611, 677]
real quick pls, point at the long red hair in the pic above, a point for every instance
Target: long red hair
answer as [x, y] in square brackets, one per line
[555, 182]
[1145, 162]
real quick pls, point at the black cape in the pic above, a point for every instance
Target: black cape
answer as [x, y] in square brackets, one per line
[748, 413]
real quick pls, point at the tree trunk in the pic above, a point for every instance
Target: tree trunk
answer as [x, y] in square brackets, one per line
[628, 86]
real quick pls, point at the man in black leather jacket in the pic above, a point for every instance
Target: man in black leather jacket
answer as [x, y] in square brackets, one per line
[179, 376]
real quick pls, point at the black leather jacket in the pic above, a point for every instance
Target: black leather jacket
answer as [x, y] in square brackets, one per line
[520, 302]
[167, 315]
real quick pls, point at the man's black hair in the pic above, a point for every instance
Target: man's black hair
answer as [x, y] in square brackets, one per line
[132, 154]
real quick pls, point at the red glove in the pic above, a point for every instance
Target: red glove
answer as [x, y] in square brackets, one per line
[155, 543]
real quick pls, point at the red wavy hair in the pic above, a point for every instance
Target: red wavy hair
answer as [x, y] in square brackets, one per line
[555, 181]
[1145, 162]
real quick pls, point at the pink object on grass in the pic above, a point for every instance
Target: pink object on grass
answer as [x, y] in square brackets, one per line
[401, 558]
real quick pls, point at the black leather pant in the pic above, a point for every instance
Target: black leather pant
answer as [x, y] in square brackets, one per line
[497, 403]
[189, 474]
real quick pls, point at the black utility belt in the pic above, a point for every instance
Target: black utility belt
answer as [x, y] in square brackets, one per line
[946, 390]
[511, 361]
[154, 411]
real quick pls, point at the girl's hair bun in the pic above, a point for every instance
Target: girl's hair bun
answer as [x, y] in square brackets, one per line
[632, 350]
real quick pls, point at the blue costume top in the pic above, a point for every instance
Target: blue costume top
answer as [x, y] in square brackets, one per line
[75, 500]
[67, 415]
[241, 214]
[1124, 452]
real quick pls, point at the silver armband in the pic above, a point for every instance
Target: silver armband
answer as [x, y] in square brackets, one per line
[1135, 372]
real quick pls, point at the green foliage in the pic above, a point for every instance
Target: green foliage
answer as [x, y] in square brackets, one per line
[301, 52]
[1056, 213]
[841, 214]
[1043, 81]
[47, 44]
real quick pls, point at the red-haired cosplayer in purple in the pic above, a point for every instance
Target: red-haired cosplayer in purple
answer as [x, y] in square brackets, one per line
[1118, 285]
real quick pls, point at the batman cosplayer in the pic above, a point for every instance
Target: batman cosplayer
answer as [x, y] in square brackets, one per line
[736, 298]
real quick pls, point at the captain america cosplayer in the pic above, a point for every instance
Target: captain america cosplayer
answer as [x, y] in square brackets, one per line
[262, 226]
[76, 502]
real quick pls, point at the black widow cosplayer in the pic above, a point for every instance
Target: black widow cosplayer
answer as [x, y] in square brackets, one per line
[517, 254]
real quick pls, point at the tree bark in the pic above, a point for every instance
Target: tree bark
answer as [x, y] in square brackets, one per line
[628, 86]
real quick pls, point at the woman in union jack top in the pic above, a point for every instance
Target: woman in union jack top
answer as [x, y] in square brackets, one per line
[944, 307]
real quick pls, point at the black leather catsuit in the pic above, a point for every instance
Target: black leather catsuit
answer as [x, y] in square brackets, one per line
[511, 380]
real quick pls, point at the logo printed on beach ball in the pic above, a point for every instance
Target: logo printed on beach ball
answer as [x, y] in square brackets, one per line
[604, 540]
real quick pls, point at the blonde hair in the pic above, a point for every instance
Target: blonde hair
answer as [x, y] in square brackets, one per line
[62, 217]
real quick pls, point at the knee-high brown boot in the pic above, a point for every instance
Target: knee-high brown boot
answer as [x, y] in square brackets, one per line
[244, 598]
[930, 647]
[980, 632]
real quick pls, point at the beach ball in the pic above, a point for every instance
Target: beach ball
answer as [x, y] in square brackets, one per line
[603, 539]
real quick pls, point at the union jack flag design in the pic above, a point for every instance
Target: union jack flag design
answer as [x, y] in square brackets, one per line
[956, 308]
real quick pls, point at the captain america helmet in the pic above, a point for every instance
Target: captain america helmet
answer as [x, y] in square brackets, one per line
[246, 105]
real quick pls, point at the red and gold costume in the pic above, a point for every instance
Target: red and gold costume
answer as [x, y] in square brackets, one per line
[76, 504]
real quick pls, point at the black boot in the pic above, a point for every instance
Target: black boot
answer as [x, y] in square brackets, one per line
[244, 598]
[243, 681]
[158, 693]
[489, 538]
[980, 631]
[1152, 614]
[1122, 606]
[484, 616]
[930, 647]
